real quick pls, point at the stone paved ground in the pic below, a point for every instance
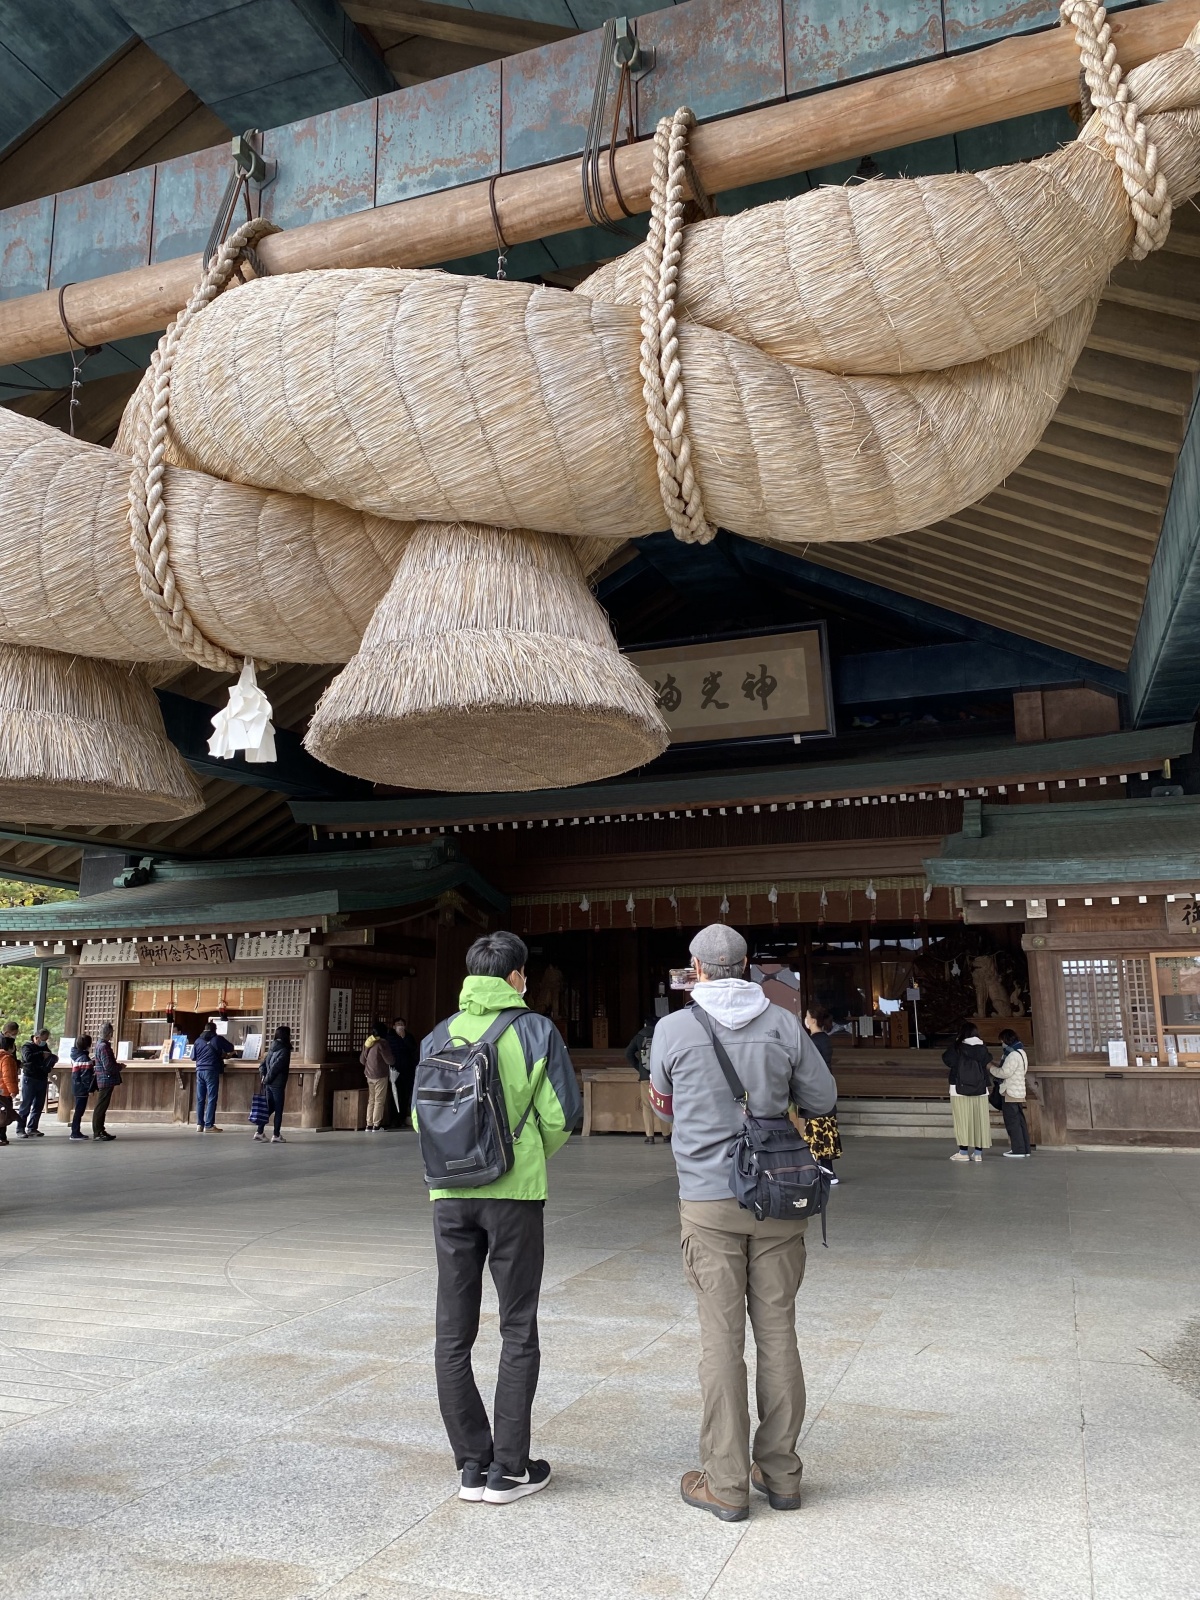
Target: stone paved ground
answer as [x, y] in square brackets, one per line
[216, 1382]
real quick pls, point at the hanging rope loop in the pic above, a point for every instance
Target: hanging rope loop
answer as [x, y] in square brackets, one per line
[1124, 131]
[674, 184]
[149, 533]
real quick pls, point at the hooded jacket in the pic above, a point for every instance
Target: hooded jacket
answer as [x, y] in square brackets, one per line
[8, 1072]
[37, 1059]
[775, 1059]
[533, 1064]
[968, 1063]
[376, 1058]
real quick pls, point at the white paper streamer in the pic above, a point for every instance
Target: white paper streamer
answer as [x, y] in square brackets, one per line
[245, 723]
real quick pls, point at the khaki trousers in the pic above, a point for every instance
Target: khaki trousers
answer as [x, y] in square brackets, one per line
[377, 1089]
[736, 1265]
[650, 1122]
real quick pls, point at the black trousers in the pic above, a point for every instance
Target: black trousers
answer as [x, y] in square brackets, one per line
[508, 1236]
[275, 1094]
[99, 1110]
[81, 1101]
[1018, 1129]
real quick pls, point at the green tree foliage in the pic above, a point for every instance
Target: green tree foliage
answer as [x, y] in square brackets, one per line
[16, 892]
[18, 985]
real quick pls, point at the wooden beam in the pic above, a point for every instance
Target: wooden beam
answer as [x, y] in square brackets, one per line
[1106, 552]
[1138, 382]
[1090, 633]
[1110, 455]
[1134, 424]
[1146, 336]
[1047, 494]
[503, 35]
[1016, 77]
[417, 60]
[1117, 488]
[98, 131]
[974, 542]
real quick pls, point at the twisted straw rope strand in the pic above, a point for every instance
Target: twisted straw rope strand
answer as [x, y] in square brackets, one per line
[149, 533]
[662, 370]
[1124, 130]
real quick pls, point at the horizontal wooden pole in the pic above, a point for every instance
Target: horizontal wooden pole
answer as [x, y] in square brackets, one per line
[1017, 76]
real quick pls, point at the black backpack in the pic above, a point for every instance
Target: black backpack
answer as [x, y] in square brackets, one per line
[774, 1173]
[462, 1120]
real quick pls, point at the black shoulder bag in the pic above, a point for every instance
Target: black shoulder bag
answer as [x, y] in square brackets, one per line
[773, 1172]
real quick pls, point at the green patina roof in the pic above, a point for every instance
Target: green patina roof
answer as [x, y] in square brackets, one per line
[1125, 841]
[931, 767]
[267, 891]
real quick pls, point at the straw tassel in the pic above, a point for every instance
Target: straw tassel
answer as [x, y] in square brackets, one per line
[487, 664]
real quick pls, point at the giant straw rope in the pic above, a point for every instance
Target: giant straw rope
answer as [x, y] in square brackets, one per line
[852, 363]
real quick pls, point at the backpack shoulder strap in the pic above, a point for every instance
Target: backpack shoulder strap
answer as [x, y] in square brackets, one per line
[503, 1021]
[736, 1087]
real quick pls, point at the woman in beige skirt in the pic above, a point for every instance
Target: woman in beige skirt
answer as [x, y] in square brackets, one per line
[967, 1061]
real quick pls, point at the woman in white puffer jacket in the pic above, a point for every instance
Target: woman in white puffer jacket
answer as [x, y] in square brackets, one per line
[1010, 1074]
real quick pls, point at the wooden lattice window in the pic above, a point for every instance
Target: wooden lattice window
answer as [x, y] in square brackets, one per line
[1108, 997]
[101, 1004]
[1139, 1005]
[283, 1007]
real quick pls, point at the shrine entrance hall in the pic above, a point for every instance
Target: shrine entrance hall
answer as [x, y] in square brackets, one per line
[217, 1382]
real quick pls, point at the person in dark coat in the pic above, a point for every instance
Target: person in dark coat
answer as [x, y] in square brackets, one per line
[83, 1081]
[108, 1078]
[37, 1062]
[637, 1053]
[210, 1051]
[405, 1055]
[821, 1134]
[274, 1075]
[967, 1061]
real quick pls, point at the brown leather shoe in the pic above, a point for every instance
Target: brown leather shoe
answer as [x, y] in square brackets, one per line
[777, 1502]
[693, 1486]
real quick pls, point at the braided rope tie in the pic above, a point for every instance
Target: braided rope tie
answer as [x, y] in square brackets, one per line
[673, 183]
[149, 533]
[1124, 131]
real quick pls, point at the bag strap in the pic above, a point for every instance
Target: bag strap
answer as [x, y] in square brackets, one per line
[736, 1087]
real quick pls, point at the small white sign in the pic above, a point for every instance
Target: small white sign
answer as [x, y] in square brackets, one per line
[1118, 1053]
[341, 1003]
[124, 1049]
[252, 1047]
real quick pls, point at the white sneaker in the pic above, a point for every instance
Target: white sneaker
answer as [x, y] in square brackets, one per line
[960, 1155]
[277, 1138]
[976, 1155]
[1015, 1155]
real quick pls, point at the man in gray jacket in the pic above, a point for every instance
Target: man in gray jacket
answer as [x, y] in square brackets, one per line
[732, 1261]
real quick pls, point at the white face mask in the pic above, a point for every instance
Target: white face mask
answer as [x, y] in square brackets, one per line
[524, 985]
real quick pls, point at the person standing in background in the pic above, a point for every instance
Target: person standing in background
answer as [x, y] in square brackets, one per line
[37, 1061]
[405, 1054]
[108, 1078]
[821, 1134]
[8, 1085]
[83, 1081]
[377, 1061]
[968, 1060]
[1010, 1074]
[274, 1075]
[210, 1052]
[637, 1053]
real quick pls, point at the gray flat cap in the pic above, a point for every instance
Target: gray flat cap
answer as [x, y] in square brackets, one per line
[718, 946]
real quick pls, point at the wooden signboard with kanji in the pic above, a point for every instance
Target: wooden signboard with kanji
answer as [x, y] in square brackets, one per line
[742, 688]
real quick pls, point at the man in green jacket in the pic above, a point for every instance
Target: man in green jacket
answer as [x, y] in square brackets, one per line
[500, 1224]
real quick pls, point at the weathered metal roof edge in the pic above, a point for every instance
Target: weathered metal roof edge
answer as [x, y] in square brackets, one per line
[930, 768]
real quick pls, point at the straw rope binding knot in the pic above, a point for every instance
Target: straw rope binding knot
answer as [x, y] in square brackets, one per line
[149, 533]
[1124, 130]
[674, 181]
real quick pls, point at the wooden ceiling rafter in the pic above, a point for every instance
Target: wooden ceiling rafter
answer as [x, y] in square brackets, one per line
[133, 111]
